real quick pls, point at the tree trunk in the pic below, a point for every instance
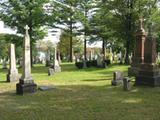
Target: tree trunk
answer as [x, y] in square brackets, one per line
[104, 50]
[129, 29]
[30, 33]
[71, 44]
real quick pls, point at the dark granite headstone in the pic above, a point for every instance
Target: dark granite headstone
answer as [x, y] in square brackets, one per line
[149, 71]
[138, 53]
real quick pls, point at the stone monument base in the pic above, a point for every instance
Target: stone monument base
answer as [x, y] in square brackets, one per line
[12, 77]
[153, 81]
[133, 71]
[26, 88]
[148, 75]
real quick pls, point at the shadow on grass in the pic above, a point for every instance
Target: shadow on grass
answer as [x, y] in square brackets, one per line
[91, 80]
[79, 101]
[3, 71]
[40, 69]
[68, 67]
[4, 82]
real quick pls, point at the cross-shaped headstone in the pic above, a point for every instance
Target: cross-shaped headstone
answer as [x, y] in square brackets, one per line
[141, 23]
[26, 28]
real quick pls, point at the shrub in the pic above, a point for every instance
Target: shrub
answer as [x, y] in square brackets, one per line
[108, 62]
[79, 65]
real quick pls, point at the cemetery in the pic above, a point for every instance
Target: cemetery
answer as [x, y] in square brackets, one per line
[80, 60]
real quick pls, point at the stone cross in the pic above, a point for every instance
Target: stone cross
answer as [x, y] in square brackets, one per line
[26, 83]
[26, 28]
[141, 23]
[26, 75]
[55, 57]
[57, 67]
[13, 72]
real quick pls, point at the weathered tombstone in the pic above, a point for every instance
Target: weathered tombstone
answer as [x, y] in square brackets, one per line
[117, 78]
[20, 63]
[56, 67]
[48, 58]
[126, 84]
[4, 64]
[100, 61]
[51, 71]
[149, 71]
[26, 83]
[59, 57]
[13, 72]
[138, 55]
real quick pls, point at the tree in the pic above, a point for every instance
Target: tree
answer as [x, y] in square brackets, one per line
[85, 6]
[67, 18]
[17, 14]
[122, 17]
[64, 46]
[6, 40]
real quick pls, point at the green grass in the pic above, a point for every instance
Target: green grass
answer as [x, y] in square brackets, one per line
[79, 95]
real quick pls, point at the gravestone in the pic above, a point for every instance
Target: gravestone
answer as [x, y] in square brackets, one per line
[99, 60]
[126, 84]
[51, 71]
[26, 83]
[138, 55]
[117, 78]
[13, 72]
[48, 58]
[59, 57]
[149, 73]
[4, 64]
[56, 67]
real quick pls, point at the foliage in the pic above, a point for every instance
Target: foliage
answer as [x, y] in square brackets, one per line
[117, 20]
[6, 40]
[17, 14]
[64, 45]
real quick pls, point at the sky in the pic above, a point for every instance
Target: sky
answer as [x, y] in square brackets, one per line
[6, 30]
[52, 38]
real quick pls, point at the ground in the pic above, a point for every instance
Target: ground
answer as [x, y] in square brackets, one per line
[79, 95]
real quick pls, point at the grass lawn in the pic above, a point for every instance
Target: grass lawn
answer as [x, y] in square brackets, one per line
[79, 95]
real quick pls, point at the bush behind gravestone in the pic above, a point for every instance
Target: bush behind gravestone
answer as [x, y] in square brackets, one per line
[94, 63]
[88, 63]
[108, 62]
[79, 65]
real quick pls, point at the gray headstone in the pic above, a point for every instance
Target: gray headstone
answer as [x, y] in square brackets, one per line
[4, 65]
[56, 67]
[117, 78]
[51, 71]
[126, 84]
[100, 61]
[13, 72]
